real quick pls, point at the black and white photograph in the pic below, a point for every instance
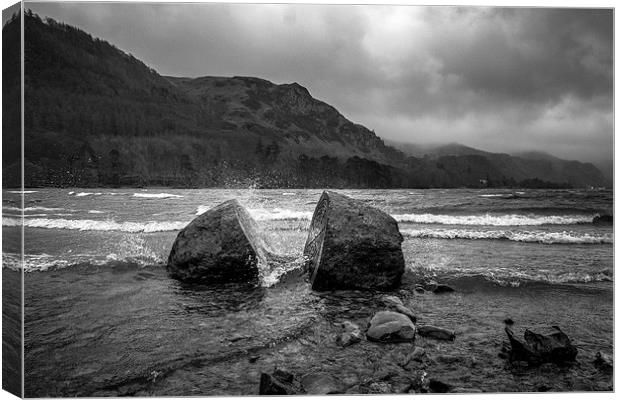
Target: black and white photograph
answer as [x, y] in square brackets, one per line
[241, 199]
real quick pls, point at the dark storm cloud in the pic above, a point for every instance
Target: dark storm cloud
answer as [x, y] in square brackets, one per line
[502, 79]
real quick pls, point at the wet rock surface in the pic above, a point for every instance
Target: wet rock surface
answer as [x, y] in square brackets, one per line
[222, 245]
[391, 327]
[351, 245]
[434, 332]
[545, 345]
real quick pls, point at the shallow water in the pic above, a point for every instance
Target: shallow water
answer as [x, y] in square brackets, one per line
[103, 318]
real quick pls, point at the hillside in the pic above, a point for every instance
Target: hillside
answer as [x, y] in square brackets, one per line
[96, 116]
[519, 167]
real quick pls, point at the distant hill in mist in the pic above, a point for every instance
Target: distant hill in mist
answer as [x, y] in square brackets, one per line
[96, 116]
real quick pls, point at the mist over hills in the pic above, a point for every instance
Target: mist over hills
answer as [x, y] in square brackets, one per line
[96, 116]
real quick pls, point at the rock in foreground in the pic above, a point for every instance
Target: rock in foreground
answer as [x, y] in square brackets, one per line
[390, 327]
[436, 333]
[549, 345]
[353, 246]
[220, 246]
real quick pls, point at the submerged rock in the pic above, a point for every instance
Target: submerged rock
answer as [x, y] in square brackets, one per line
[351, 335]
[550, 344]
[219, 246]
[604, 219]
[353, 246]
[320, 384]
[439, 288]
[391, 327]
[437, 386]
[436, 333]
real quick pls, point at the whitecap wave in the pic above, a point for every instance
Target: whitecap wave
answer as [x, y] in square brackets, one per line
[564, 237]
[494, 219]
[23, 191]
[94, 225]
[279, 214]
[274, 214]
[84, 194]
[288, 194]
[156, 195]
[34, 209]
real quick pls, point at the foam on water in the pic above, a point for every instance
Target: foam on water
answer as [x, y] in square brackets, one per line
[34, 209]
[156, 195]
[23, 191]
[94, 225]
[494, 219]
[275, 214]
[564, 237]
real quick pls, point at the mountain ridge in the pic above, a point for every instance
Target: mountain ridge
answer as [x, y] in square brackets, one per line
[97, 116]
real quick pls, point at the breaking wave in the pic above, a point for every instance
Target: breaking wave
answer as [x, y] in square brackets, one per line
[156, 195]
[495, 220]
[565, 237]
[276, 214]
[94, 225]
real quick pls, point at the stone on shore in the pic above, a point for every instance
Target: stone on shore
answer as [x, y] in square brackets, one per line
[352, 334]
[390, 327]
[604, 363]
[436, 333]
[221, 245]
[280, 382]
[549, 344]
[353, 246]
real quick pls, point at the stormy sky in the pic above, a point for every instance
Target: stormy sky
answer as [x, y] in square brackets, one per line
[499, 79]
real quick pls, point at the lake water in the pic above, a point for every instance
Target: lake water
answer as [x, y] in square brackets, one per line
[103, 318]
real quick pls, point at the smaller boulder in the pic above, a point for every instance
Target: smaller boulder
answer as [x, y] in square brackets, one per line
[549, 344]
[436, 333]
[390, 327]
[280, 382]
[437, 386]
[352, 334]
[441, 288]
[348, 338]
[604, 363]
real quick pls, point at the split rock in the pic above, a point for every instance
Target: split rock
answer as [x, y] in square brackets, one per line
[353, 246]
[221, 245]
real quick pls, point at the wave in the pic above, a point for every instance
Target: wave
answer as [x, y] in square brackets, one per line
[156, 195]
[34, 209]
[275, 214]
[84, 194]
[516, 236]
[94, 225]
[270, 272]
[23, 191]
[474, 281]
[494, 219]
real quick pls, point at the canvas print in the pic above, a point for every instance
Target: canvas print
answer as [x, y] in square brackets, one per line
[204, 199]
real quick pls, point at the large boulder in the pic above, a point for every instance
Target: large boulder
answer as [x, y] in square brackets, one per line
[390, 327]
[353, 246]
[548, 345]
[219, 246]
